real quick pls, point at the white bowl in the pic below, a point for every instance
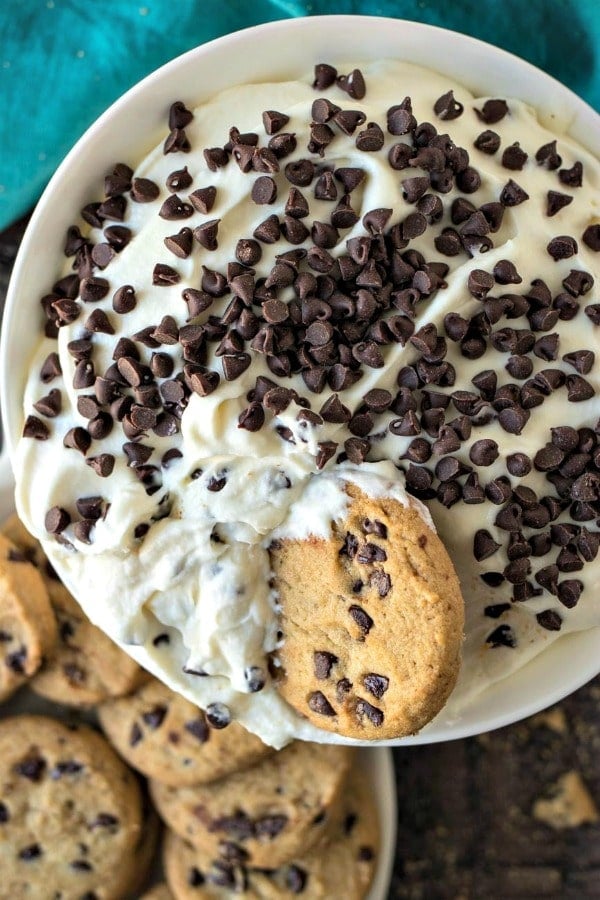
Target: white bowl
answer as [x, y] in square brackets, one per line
[269, 52]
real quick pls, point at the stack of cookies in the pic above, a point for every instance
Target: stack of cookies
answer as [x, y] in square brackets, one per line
[241, 818]
[77, 807]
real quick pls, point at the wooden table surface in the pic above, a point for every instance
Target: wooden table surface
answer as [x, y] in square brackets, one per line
[510, 814]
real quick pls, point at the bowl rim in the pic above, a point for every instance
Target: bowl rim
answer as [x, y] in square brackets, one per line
[582, 117]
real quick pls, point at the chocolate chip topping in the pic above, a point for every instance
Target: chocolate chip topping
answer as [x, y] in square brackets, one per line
[328, 310]
[492, 111]
[364, 710]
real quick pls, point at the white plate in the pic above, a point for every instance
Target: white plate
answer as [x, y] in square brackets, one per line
[377, 763]
[278, 50]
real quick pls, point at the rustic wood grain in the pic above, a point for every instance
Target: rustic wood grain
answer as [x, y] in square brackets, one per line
[466, 827]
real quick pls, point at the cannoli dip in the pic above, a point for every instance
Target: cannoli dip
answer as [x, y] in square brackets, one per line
[366, 274]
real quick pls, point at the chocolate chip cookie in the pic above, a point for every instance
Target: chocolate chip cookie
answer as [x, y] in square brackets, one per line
[70, 812]
[372, 621]
[167, 738]
[341, 865]
[27, 624]
[271, 812]
[86, 667]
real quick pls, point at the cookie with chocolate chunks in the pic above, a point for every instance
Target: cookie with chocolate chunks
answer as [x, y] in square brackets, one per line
[83, 666]
[86, 667]
[71, 812]
[371, 646]
[164, 736]
[27, 624]
[341, 865]
[273, 811]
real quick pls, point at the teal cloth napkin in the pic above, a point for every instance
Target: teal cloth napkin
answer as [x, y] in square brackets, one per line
[62, 62]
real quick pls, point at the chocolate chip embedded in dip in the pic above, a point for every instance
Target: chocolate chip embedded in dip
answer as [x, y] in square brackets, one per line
[374, 270]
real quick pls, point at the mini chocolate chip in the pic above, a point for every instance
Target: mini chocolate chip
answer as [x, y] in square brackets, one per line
[353, 84]
[520, 367]
[319, 703]
[274, 121]
[415, 187]
[369, 553]
[365, 709]
[496, 610]
[479, 283]
[218, 715]
[468, 181]
[154, 717]
[143, 190]
[362, 618]
[484, 545]
[281, 145]
[581, 360]
[484, 452]
[179, 180]
[512, 194]
[569, 592]
[488, 142]
[216, 157]
[179, 115]
[374, 526]
[370, 139]
[578, 283]
[203, 199]
[324, 76]
[33, 851]
[578, 389]
[103, 464]
[572, 177]
[36, 429]
[323, 663]
[93, 289]
[555, 201]
[264, 190]
[518, 464]
[56, 520]
[548, 157]
[135, 735]
[376, 684]
[513, 419]
[492, 111]
[503, 636]
[514, 157]
[591, 237]
[550, 620]
[31, 767]
[300, 172]
[252, 418]
[175, 208]
[400, 119]
[124, 299]
[562, 247]
[268, 232]
[447, 107]
[505, 272]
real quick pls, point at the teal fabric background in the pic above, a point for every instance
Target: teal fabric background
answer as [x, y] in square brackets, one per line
[62, 62]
